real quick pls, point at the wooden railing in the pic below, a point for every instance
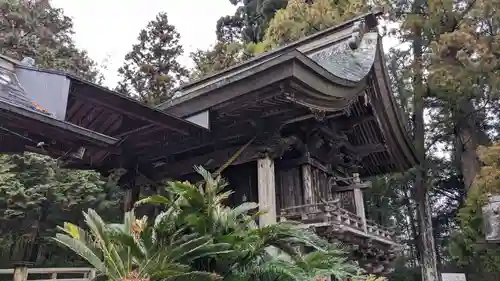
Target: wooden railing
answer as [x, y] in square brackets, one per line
[379, 230]
[52, 274]
[331, 213]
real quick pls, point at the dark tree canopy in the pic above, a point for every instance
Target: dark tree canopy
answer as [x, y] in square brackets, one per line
[236, 35]
[151, 70]
[221, 56]
[35, 193]
[36, 29]
[250, 21]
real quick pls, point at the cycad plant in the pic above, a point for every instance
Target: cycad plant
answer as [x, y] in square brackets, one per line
[197, 237]
[274, 252]
[135, 251]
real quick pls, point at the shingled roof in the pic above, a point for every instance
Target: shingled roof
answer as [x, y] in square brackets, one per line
[339, 71]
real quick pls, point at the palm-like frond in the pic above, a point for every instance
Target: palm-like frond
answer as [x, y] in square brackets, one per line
[81, 249]
[197, 237]
[246, 251]
[93, 246]
[162, 251]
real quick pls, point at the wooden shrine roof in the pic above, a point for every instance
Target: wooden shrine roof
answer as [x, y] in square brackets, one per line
[339, 73]
[97, 119]
[301, 48]
[332, 85]
[24, 122]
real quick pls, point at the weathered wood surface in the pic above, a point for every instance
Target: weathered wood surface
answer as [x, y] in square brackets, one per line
[266, 191]
[51, 274]
[331, 213]
[242, 180]
[301, 185]
[346, 199]
[290, 187]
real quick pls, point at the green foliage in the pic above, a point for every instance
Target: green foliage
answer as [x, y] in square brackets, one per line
[35, 195]
[457, 64]
[300, 19]
[257, 253]
[133, 250]
[467, 50]
[197, 234]
[220, 57]
[468, 244]
[259, 26]
[36, 29]
[151, 70]
[249, 22]
[239, 36]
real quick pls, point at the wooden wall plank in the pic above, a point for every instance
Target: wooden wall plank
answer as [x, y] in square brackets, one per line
[290, 187]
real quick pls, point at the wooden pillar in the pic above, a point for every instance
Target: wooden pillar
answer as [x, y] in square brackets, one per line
[131, 189]
[359, 201]
[307, 186]
[266, 190]
[128, 201]
[20, 272]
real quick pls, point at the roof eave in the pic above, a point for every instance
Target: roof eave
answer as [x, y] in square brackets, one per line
[114, 99]
[79, 132]
[370, 18]
[391, 117]
[294, 65]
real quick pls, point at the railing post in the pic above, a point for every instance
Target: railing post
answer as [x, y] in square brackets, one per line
[359, 202]
[20, 271]
[92, 274]
[282, 215]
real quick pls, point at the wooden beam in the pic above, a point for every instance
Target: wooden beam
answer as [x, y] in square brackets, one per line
[129, 107]
[341, 138]
[366, 149]
[204, 140]
[305, 159]
[39, 120]
[352, 187]
[209, 161]
[142, 129]
[242, 129]
[348, 123]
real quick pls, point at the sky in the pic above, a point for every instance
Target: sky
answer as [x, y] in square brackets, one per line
[106, 29]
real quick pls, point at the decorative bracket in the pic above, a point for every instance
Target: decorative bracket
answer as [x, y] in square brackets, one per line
[318, 114]
[277, 145]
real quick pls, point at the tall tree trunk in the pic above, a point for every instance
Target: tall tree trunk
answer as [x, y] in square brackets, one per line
[469, 136]
[427, 247]
[413, 227]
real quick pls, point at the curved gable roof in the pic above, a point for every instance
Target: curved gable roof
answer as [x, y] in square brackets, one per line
[329, 56]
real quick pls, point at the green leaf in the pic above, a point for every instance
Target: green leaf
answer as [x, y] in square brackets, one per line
[155, 200]
[82, 250]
